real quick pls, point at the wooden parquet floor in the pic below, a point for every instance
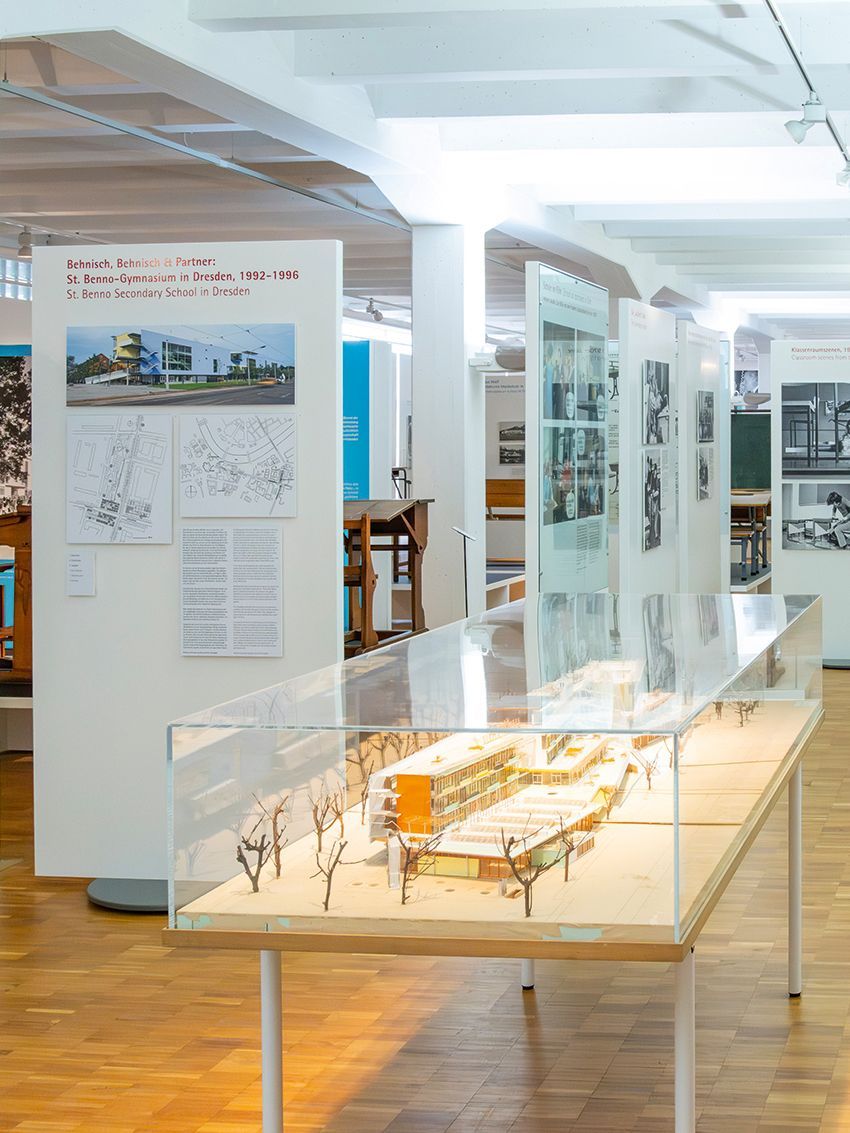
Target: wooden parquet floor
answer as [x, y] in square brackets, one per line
[103, 1029]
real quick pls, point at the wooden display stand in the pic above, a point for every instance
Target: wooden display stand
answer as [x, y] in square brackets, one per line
[396, 527]
[16, 532]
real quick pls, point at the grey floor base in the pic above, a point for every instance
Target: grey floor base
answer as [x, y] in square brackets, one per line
[829, 663]
[129, 895]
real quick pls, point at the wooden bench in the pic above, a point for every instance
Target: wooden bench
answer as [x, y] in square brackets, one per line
[505, 498]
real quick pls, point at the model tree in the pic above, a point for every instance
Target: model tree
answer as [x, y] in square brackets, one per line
[648, 761]
[327, 868]
[260, 847]
[608, 793]
[279, 815]
[517, 853]
[359, 758]
[325, 810]
[568, 844]
[413, 853]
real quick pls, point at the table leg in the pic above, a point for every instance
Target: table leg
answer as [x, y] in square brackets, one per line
[527, 975]
[271, 1029]
[685, 1046]
[795, 883]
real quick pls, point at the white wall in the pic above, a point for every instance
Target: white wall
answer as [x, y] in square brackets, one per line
[646, 333]
[809, 571]
[108, 670]
[15, 322]
[701, 567]
[504, 400]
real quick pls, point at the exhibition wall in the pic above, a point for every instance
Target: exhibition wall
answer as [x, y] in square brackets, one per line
[810, 416]
[645, 559]
[505, 455]
[368, 443]
[703, 454]
[191, 553]
[567, 450]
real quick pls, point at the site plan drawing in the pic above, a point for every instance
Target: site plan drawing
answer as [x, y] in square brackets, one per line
[237, 464]
[118, 478]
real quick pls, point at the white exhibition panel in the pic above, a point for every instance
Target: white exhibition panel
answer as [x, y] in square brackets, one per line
[381, 453]
[647, 335]
[809, 568]
[702, 570]
[108, 671]
[504, 402]
[566, 435]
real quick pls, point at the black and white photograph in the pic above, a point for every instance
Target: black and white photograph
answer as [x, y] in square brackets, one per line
[660, 651]
[816, 516]
[559, 372]
[590, 472]
[651, 502]
[705, 473]
[656, 402]
[705, 415]
[591, 383]
[746, 381]
[512, 443]
[558, 490]
[815, 428]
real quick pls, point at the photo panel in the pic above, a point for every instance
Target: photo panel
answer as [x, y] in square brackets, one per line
[591, 472]
[655, 384]
[198, 366]
[705, 415]
[705, 473]
[652, 489]
[512, 443]
[559, 493]
[815, 428]
[591, 379]
[816, 516]
[559, 372]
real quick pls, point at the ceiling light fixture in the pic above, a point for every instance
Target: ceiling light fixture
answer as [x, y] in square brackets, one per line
[25, 244]
[814, 114]
[372, 310]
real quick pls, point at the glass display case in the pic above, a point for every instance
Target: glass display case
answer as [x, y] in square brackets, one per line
[587, 769]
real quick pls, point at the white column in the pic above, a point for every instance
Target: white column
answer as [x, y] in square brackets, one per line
[448, 412]
[685, 1046]
[527, 975]
[271, 1030]
[795, 883]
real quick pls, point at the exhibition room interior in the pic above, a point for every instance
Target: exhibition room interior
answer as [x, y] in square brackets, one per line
[424, 472]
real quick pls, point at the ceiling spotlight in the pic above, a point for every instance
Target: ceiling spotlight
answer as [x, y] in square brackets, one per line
[843, 178]
[25, 244]
[372, 310]
[814, 113]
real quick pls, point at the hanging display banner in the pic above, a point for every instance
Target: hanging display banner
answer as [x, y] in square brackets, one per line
[567, 481]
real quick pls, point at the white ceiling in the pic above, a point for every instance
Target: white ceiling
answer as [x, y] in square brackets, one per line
[640, 143]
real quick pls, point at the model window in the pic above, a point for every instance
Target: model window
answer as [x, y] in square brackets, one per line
[177, 357]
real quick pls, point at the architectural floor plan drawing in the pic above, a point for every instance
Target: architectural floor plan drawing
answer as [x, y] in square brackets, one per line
[237, 464]
[118, 478]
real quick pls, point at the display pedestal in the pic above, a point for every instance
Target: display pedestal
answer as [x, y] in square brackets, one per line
[129, 894]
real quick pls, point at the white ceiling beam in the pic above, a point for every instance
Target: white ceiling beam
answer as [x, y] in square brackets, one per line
[812, 246]
[647, 95]
[294, 15]
[558, 44]
[728, 257]
[717, 211]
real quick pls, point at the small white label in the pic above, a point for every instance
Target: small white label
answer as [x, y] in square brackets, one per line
[79, 574]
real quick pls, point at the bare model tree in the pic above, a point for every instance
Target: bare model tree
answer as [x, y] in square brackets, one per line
[608, 794]
[326, 869]
[527, 874]
[324, 811]
[412, 854]
[364, 793]
[568, 844]
[262, 848]
[649, 764]
[278, 816]
[745, 709]
[338, 810]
